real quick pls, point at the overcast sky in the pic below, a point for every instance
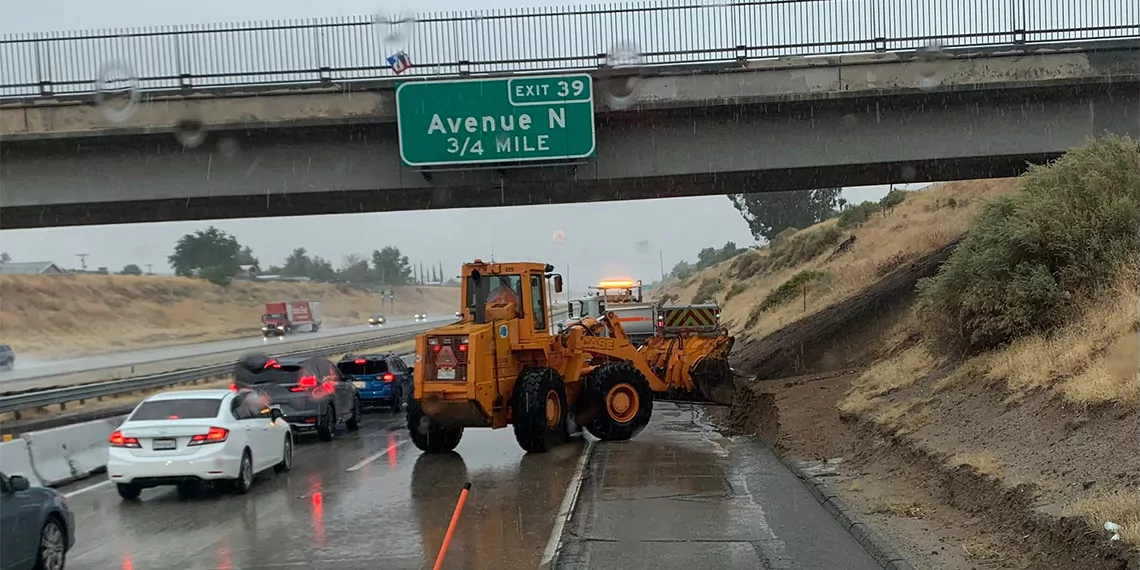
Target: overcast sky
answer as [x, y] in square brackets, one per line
[675, 228]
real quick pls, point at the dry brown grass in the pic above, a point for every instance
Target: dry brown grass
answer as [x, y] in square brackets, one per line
[1091, 361]
[928, 219]
[985, 463]
[897, 508]
[886, 376]
[100, 313]
[1121, 507]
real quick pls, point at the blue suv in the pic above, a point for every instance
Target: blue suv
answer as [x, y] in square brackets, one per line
[383, 380]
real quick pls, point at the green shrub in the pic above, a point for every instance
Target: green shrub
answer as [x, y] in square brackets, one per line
[793, 288]
[748, 265]
[892, 199]
[736, 289]
[707, 289]
[803, 246]
[1030, 256]
[856, 216]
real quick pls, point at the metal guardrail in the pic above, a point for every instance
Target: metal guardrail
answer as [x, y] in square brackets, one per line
[334, 50]
[56, 396]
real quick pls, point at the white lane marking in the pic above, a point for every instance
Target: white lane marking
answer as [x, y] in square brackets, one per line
[71, 494]
[390, 449]
[569, 501]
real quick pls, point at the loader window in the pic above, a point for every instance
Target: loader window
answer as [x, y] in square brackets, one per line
[505, 288]
[536, 302]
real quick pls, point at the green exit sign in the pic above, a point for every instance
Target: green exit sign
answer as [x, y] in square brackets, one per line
[474, 121]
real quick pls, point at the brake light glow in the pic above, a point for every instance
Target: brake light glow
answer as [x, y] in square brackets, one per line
[118, 440]
[272, 363]
[359, 361]
[388, 377]
[233, 387]
[215, 435]
[305, 383]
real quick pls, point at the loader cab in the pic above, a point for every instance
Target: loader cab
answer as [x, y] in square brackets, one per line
[498, 292]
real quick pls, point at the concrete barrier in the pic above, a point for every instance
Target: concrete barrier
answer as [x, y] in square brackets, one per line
[15, 459]
[64, 454]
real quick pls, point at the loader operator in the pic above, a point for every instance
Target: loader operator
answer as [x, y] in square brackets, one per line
[505, 294]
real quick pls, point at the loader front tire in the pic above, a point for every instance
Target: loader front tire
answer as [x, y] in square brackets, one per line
[427, 434]
[624, 398]
[539, 410]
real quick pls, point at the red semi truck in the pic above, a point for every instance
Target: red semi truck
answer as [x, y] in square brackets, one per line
[286, 317]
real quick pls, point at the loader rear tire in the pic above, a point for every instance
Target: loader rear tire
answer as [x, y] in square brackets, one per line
[625, 401]
[427, 434]
[539, 410]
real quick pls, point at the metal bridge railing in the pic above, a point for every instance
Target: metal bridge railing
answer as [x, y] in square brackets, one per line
[532, 39]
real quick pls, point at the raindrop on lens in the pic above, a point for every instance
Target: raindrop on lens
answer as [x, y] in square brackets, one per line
[621, 91]
[228, 147]
[930, 55]
[190, 132]
[116, 91]
[394, 26]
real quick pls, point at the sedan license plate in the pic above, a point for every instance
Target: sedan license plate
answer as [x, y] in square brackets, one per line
[359, 384]
[446, 374]
[163, 444]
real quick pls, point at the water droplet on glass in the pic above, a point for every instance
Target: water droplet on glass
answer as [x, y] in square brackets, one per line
[228, 147]
[908, 173]
[559, 237]
[929, 56]
[850, 120]
[395, 25]
[620, 91]
[116, 91]
[190, 132]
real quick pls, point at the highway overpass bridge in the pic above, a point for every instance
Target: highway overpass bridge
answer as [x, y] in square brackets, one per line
[726, 122]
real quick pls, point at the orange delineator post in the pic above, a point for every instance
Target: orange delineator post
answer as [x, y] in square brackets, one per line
[451, 527]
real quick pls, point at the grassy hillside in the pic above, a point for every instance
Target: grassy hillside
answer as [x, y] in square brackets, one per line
[78, 314]
[764, 289]
[1005, 382]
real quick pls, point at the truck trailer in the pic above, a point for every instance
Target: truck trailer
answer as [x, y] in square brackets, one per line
[286, 317]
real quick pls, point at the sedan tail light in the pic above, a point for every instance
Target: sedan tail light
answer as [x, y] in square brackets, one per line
[388, 377]
[306, 383]
[215, 435]
[118, 440]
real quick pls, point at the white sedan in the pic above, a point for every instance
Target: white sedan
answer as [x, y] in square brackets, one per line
[197, 436]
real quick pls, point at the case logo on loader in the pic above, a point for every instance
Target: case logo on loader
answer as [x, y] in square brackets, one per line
[599, 343]
[445, 364]
[502, 331]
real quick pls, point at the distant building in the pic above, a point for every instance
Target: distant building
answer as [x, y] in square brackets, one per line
[30, 268]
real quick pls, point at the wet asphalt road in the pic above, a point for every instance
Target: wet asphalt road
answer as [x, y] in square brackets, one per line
[367, 500]
[677, 496]
[28, 372]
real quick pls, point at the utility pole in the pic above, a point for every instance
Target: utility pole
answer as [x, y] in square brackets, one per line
[661, 258]
[82, 260]
[148, 271]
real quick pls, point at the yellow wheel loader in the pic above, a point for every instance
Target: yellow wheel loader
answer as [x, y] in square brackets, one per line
[500, 365]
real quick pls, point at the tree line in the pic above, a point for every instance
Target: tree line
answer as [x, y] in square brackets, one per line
[216, 256]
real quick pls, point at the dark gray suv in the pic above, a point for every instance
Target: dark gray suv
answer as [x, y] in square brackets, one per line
[36, 527]
[7, 358]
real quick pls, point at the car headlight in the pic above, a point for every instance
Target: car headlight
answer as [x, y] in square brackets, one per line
[264, 328]
[279, 327]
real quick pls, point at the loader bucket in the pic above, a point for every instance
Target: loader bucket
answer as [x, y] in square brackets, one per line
[713, 380]
[694, 367]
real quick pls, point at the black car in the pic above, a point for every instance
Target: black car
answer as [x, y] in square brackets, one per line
[7, 357]
[382, 379]
[376, 321]
[312, 393]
